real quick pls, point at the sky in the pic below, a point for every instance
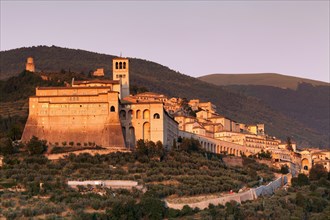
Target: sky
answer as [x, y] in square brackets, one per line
[193, 37]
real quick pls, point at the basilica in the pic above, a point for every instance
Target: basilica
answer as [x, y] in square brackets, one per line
[98, 111]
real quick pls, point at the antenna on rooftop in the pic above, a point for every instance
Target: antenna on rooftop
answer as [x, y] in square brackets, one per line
[120, 54]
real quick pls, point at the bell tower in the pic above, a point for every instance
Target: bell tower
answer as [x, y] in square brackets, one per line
[120, 71]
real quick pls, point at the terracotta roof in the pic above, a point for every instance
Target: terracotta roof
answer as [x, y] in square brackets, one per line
[150, 94]
[63, 88]
[96, 81]
[137, 101]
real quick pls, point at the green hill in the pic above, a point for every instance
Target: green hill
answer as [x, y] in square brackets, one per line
[158, 78]
[263, 79]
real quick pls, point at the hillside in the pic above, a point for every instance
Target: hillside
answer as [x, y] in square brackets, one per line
[263, 79]
[308, 104]
[161, 79]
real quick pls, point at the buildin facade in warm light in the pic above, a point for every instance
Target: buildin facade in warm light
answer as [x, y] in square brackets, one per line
[98, 111]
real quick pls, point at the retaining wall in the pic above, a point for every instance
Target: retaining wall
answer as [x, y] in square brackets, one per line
[238, 197]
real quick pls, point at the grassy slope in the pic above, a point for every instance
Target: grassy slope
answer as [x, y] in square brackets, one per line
[161, 79]
[265, 79]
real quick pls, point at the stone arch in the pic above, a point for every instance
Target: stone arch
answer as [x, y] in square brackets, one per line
[124, 65]
[120, 65]
[116, 65]
[112, 109]
[138, 114]
[131, 132]
[156, 116]
[305, 164]
[130, 114]
[146, 114]
[146, 131]
[124, 132]
[122, 114]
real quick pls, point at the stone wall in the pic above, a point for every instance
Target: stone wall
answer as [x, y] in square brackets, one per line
[218, 146]
[79, 115]
[238, 197]
[114, 184]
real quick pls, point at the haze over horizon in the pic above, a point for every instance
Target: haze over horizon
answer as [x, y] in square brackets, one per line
[195, 38]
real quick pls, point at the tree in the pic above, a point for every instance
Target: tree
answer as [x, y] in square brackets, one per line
[301, 180]
[284, 169]
[36, 146]
[15, 132]
[317, 172]
[152, 207]
[263, 154]
[7, 147]
[190, 145]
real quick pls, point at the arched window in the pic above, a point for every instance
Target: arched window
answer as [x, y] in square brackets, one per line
[124, 132]
[146, 131]
[116, 65]
[124, 65]
[122, 114]
[156, 116]
[112, 109]
[138, 114]
[130, 114]
[305, 163]
[146, 114]
[132, 137]
[120, 65]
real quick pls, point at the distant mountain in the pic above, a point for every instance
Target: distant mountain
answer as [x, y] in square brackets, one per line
[307, 104]
[158, 78]
[304, 100]
[262, 79]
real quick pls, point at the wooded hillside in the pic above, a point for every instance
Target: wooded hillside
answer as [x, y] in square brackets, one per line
[158, 78]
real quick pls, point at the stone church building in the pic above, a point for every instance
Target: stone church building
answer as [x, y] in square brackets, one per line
[98, 111]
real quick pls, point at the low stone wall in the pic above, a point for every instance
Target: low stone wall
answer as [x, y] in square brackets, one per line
[114, 184]
[238, 197]
[89, 151]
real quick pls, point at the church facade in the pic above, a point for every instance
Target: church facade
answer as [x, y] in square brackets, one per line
[98, 111]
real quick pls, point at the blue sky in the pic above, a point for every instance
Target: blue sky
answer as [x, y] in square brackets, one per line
[193, 37]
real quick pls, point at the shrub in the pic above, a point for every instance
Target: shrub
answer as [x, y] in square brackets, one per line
[317, 172]
[36, 146]
[7, 147]
[301, 180]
